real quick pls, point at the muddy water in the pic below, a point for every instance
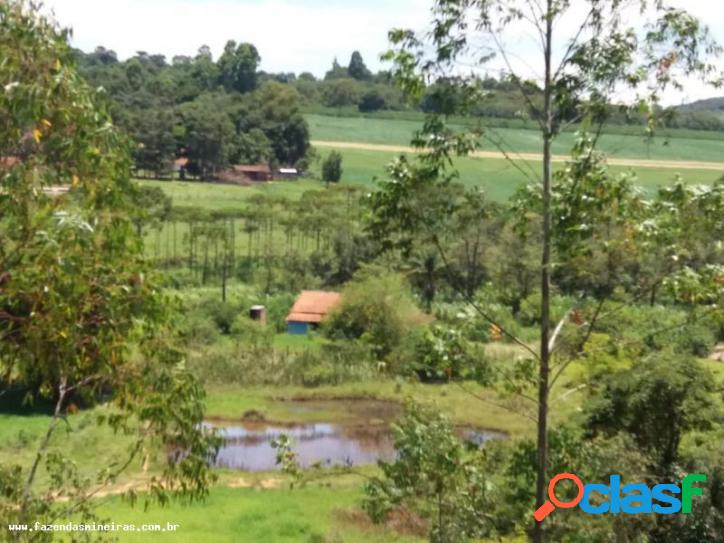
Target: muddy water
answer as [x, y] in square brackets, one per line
[248, 446]
[362, 436]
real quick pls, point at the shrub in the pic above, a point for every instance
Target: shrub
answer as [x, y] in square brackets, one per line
[263, 364]
[377, 310]
[443, 353]
[198, 328]
[251, 332]
[529, 313]
[697, 339]
[371, 101]
[223, 315]
[277, 309]
[435, 477]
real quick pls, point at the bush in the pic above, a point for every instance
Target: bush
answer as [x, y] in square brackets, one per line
[696, 339]
[441, 353]
[223, 314]
[371, 101]
[277, 309]
[529, 313]
[198, 328]
[261, 363]
[434, 477]
[251, 332]
[646, 328]
[377, 310]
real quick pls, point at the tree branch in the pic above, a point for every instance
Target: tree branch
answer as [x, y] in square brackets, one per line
[62, 392]
[477, 308]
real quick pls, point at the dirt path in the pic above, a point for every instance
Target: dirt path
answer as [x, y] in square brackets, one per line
[535, 157]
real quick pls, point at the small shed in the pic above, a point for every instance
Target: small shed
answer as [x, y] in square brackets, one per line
[254, 172]
[287, 173]
[310, 308]
[258, 313]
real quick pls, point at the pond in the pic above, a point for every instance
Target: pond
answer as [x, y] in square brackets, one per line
[361, 434]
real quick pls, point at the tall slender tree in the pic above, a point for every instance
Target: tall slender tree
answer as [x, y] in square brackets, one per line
[591, 52]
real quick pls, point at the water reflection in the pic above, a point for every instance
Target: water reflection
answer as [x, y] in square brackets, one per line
[247, 446]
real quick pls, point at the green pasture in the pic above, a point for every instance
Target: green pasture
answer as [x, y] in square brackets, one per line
[683, 145]
[314, 514]
[227, 196]
[498, 177]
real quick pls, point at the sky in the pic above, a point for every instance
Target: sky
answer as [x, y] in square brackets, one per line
[291, 35]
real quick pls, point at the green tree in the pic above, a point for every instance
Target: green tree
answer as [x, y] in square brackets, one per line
[80, 311]
[238, 65]
[435, 477]
[357, 68]
[204, 72]
[208, 135]
[332, 168]
[605, 53]
[340, 92]
[656, 402]
[337, 72]
[376, 309]
[155, 143]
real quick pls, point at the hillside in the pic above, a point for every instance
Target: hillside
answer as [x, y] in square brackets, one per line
[709, 104]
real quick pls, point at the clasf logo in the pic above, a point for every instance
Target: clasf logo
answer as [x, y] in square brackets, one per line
[630, 499]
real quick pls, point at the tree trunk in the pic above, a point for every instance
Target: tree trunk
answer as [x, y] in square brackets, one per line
[223, 279]
[542, 445]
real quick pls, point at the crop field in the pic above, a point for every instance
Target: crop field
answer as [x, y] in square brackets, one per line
[498, 177]
[683, 145]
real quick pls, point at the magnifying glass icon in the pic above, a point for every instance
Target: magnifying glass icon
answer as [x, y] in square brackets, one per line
[547, 508]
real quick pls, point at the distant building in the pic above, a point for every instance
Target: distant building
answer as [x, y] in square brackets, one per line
[180, 166]
[254, 172]
[287, 173]
[310, 308]
[258, 313]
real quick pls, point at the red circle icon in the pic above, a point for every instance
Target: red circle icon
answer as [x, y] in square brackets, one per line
[552, 486]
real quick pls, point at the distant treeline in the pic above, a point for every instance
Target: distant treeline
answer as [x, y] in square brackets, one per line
[226, 111]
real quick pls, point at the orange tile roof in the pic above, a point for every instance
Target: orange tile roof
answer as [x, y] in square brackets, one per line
[252, 168]
[313, 306]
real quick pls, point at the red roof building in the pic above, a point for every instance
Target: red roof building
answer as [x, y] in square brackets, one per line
[255, 172]
[310, 308]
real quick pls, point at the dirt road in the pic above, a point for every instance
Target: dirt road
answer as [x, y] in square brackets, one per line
[534, 157]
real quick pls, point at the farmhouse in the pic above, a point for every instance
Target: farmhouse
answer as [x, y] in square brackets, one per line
[310, 308]
[254, 172]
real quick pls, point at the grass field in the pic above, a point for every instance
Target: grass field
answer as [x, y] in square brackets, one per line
[498, 177]
[314, 514]
[222, 196]
[704, 146]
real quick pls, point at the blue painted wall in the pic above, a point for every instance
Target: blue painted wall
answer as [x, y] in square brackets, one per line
[297, 328]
